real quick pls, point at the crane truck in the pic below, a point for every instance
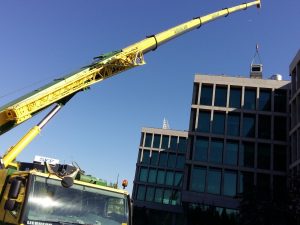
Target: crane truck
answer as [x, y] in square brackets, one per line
[47, 194]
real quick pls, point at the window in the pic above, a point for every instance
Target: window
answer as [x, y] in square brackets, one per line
[169, 178]
[204, 121]
[150, 194]
[142, 139]
[230, 182]
[216, 151]
[156, 141]
[165, 142]
[163, 159]
[161, 177]
[264, 126]
[235, 97]
[218, 124]
[178, 179]
[201, 149]
[250, 99]
[175, 198]
[249, 125]
[233, 124]
[195, 93]
[280, 131]
[280, 101]
[264, 100]
[154, 158]
[263, 156]
[246, 155]
[146, 157]
[198, 179]
[206, 94]
[231, 153]
[143, 174]
[141, 193]
[182, 145]
[171, 160]
[280, 157]
[167, 196]
[214, 181]
[148, 140]
[246, 182]
[220, 96]
[173, 144]
[152, 176]
[180, 162]
[158, 195]
[263, 183]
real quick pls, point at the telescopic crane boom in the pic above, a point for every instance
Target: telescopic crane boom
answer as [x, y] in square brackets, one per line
[104, 66]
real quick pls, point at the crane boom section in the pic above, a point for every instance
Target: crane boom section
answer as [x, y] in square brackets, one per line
[104, 67]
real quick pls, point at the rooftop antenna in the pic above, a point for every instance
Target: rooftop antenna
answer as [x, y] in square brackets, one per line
[166, 124]
[256, 65]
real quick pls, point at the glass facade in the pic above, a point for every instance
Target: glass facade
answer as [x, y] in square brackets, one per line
[233, 124]
[201, 149]
[206, 94]
[214, 181]
[216, 151]
[250, 99]
[235, 97]
[218, 124]
[264, 126]
[264, 100]
[231, 153]
[247, 154]
[230, 183]
[198, 176]
[221, 96]
[263, 156]
[204, 121]
[249, 125]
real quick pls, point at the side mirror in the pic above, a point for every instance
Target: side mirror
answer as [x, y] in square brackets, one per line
[13, 194]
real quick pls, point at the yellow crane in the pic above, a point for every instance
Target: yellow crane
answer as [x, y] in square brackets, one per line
[30, 192]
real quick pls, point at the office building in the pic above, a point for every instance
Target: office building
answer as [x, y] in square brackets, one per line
[243, 135]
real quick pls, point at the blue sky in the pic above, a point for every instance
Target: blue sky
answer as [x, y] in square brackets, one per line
[100, 128]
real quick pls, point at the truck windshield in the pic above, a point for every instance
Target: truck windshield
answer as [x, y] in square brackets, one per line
[50, 203]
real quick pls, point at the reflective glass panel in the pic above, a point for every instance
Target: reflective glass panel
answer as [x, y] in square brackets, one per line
[163, 157]
[143, 174]
[264, 126]
[231, 152]
[167, 196]
[182, 145]
[150, 194]
[204, 121]
[152, 176]
[250, 99]
[246, 154]
[173, 144]
[280, 157]
[154, 158]
[160, 176]
[214, 181]
[158, 195]
[198, 175]
[206, 94]
[178, 179]
[280, 128]
[180, 162]
[146, 157]
[249, 125]
[221, 96]
[235, 97]
[165, 142]
[264, 100]
[218, 124]
[141, 193]
[148, 140]
[156, 141]
[246, 182]
[233, 124]
[280, 100]
[171, 160]
[230, 182]
[216, 151]
[169, 178]
[263, 156]
[201, 149]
